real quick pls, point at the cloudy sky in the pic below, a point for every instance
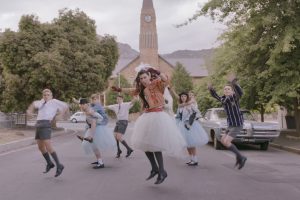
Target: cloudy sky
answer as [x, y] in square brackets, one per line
[121, 19]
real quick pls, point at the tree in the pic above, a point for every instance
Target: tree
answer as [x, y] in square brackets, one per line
[65, 56]
[181, 79]
[262, 45]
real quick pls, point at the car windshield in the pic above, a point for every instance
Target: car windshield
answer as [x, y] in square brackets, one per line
[246, 114]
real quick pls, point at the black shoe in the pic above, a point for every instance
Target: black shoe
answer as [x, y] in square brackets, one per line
[90, 140]
[98, 166]
[94, 163]
[186, 126]
[79, 137]
[188, 162]
[118, 154]
[48, 167]
[161, 178]
[152, 174]
[59, 170]
[129, 152]
[193, 163]
[242, 162]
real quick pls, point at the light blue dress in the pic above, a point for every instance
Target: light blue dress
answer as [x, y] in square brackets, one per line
[196, 135]
[103, 138]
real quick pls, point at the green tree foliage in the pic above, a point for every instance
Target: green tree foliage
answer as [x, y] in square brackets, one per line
[203, 97]
[181, 79]
[65, 56]
[262, 45]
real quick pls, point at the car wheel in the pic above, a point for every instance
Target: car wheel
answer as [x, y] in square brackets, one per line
[74, 120]
[264, 146]
[217, 144]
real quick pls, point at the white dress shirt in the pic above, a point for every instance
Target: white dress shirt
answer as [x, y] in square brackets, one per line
[48, 110]
[121, 110]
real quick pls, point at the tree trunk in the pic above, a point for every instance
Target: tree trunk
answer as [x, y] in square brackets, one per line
[262, 113]
[297, 116]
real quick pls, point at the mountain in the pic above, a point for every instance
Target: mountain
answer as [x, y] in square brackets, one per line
[126, 51]
[204, 53]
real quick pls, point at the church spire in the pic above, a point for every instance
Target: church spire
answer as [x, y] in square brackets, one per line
[147, 4]
[148, 34]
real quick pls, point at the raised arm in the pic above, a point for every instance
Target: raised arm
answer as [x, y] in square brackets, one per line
[213, 93]
[123, 90]
[237, 88]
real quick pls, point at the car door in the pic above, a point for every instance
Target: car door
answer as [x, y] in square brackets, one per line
[206, 124]
[82, 117]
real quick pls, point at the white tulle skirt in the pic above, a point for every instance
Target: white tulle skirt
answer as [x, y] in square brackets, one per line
[157, 131]
[196, 136]
[103, 140]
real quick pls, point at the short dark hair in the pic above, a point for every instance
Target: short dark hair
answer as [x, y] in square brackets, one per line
[83, 101]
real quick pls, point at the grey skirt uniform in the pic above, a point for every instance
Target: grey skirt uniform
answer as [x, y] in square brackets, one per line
[43, 130]
[233, 131]
[121, 126]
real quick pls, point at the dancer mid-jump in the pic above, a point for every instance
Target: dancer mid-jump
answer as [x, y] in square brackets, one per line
[154, 131]
[47, 108]
[122, 111]
[230, 102]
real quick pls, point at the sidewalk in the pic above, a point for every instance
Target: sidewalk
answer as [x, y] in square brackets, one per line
[12, 139]
[288, 141]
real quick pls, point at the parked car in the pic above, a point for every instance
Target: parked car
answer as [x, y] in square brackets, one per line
[78, 117]
[261, 133]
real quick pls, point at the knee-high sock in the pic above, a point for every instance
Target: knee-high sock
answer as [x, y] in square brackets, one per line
[118, 145]
[150, 156]
[235, 151]
[47, 158]
[126, 145]
[54, 156]
[160, 161]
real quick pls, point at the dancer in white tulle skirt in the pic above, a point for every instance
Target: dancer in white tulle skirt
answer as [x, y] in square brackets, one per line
[97, 138]
[193, 133]
[155, 131]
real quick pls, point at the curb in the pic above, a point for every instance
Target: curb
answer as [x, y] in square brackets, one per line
[289, 149]
[29, 141]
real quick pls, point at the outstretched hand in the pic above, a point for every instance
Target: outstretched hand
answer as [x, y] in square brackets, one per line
[75, 100]
[209, 85]
[116, 89]
[231, 77]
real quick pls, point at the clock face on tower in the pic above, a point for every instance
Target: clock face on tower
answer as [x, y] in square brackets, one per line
[147, 18]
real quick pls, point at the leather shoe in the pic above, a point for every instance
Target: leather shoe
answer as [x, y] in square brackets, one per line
[94, 163]
[129, 152]
[193, 163]
[118, 154]
[59, 170]
[188, 162]
[161, 178]
[48, 167]
[242, 162]
[79, 137]
[90, 140]
[98, 166]
[152, 174]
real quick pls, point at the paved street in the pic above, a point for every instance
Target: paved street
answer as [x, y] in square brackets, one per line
[267, 175]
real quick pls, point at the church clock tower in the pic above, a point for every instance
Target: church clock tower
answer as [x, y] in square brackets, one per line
[148, 35]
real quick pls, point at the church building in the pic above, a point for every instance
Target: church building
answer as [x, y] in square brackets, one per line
[148, 51]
